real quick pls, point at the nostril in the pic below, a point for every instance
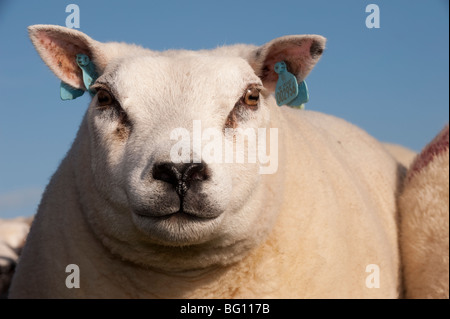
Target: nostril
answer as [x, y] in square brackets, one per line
[166, 172]
[195, 172]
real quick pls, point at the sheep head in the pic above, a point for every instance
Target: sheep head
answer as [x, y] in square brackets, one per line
[159, 127]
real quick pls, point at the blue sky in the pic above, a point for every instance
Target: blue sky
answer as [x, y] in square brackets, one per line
[392, 81]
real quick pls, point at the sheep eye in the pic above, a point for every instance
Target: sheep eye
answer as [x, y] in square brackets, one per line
[104, 98]
[251, 97]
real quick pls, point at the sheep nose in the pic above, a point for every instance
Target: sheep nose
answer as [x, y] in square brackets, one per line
[180, 175]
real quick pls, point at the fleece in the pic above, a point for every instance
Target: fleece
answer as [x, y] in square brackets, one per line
[323, 224]
[424, 206]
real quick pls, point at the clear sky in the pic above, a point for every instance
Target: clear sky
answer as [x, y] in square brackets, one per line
[391, 81]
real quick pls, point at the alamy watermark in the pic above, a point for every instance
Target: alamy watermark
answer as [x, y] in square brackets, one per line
[231, 145]
[73, 280]
[373, 19]
[373, 279]
[73, 19]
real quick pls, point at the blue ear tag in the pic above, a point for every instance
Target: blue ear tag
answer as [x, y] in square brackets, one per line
[69, 93]
[89, 76]
[288, 91]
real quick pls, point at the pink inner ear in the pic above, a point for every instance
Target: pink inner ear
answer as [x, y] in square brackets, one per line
[60, 55]
[297, 57]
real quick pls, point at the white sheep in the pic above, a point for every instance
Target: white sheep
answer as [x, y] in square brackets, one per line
[13, 233]
[424, 207]
[139, 225]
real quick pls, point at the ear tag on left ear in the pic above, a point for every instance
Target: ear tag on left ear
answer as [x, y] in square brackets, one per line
[302, 97]
[89, 76]
[288, 91]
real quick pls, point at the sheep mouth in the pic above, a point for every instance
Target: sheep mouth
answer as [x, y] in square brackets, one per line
[179, 228]
[180, 215]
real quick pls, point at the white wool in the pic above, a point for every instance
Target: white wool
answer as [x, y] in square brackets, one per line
[308, 231]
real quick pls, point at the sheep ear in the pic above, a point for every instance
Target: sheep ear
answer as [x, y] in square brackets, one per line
[299, 52]
[58, 48]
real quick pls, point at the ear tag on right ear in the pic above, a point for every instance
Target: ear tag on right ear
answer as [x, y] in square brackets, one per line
[288, 91]
[89, 73]
[89, 76]
[69, 93]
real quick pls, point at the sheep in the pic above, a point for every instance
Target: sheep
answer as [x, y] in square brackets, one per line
[13, 233]
[139, 223]
[424, 207]
[403, 155]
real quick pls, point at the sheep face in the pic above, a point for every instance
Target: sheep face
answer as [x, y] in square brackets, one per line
[168, 161]
[155, 124]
